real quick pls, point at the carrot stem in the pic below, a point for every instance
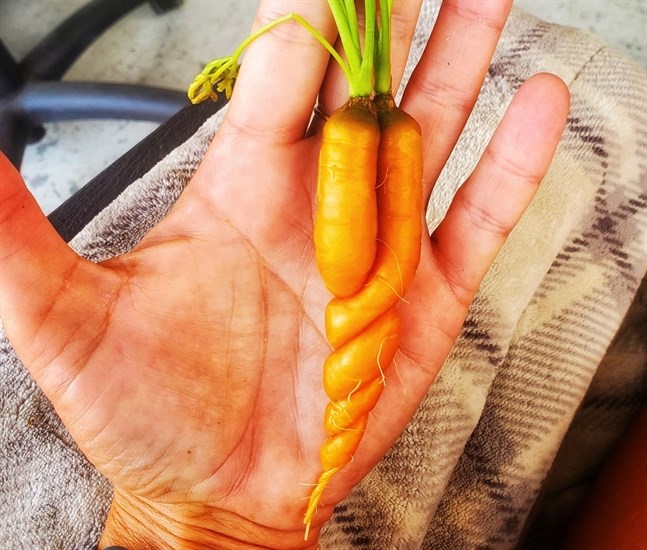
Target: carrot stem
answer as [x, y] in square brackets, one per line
[351, 14]
[289, 17]
[383, 52]
[360, 82]
[368, 55]
[223, 72]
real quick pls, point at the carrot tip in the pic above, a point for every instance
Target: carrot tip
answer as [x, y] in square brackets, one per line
[315, 498]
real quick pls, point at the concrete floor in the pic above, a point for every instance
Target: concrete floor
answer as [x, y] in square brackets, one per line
[168, 50]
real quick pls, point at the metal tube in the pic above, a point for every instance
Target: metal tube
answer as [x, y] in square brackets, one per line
[51, 101]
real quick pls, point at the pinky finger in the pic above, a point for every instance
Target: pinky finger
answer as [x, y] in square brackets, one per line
[489, 204]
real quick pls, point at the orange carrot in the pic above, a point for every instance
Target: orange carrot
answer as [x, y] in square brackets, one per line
[362, 359]
[362, 323]
[345, 225]
[341, 414]
[364, 328]
[338, 451]
[335, 453]
[399, 203]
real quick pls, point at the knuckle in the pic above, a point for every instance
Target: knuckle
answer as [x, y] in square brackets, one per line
[289, 32]
[446, 94]
[490, 14]
[482, 219]
[510, 168]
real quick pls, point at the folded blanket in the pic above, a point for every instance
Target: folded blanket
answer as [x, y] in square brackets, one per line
[470, 467]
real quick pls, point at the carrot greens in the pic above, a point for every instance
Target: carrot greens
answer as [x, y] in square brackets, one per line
[222, 73]
[362, 66]
[383, 50]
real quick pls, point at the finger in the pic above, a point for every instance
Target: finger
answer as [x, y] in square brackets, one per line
[29, 248]
[404, 19]
[47, 292]
[444, 86]
[281, 73]
[334, 90]
[493, 198]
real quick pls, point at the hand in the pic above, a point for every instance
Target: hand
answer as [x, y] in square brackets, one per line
[189, 370]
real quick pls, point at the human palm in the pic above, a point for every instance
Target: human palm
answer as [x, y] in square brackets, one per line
[189, 370]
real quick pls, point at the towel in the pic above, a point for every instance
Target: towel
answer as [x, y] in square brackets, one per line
[551, 343]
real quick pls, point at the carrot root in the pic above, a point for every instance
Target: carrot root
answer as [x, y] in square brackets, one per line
[315, 498]
[362, 322]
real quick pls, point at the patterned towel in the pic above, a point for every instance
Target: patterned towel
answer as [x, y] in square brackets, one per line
[469, 470]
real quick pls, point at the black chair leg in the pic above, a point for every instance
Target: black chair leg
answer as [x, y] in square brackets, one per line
[162, 6]
[31, 92]
[55, 54]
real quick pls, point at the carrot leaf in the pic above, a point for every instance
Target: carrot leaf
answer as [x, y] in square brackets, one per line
[220, 75]
[367, 69]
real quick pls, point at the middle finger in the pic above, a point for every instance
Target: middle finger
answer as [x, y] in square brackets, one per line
[444, 86]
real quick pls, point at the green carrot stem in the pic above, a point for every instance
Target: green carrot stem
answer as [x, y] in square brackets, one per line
[360, 83]
[368, 55]
[289, 17]
[360, 67]
[383, 81]
[223, 72]
[351, 15]
[351, 48]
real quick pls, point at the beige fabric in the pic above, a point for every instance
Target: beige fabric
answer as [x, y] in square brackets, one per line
[470, 466]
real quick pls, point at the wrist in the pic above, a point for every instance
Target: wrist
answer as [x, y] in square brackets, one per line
[139, 524]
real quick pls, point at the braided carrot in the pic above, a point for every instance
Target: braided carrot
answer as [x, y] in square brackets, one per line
[399, 200]
[364, 329]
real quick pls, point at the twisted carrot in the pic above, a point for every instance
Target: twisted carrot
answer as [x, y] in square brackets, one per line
[364, 328]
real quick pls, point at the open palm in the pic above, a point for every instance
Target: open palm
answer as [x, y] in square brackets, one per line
[189, 370]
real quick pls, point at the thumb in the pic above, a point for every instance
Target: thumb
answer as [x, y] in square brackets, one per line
[49, 296]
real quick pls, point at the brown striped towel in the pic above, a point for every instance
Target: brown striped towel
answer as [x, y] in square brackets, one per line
[502, 445]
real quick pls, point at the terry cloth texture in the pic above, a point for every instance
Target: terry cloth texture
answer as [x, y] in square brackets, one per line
[478, 461]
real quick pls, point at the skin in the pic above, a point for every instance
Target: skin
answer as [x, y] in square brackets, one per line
[214, 323]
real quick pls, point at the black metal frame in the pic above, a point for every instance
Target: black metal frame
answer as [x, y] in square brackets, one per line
[77, 211]
[31, 92]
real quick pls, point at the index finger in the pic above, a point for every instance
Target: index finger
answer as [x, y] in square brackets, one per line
[281, 73]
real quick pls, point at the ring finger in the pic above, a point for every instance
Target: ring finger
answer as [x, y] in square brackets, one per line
[281, 74]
